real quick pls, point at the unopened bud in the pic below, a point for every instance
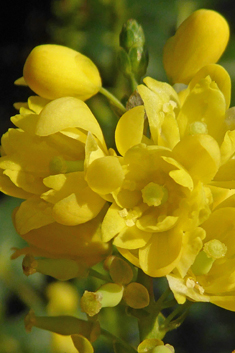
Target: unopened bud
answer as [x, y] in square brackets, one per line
[131, 35]
[133, 56]
[63, 325]
[61, 269]
[54, 71]
[200, 40]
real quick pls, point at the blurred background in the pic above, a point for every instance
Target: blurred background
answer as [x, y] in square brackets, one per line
[91, 27]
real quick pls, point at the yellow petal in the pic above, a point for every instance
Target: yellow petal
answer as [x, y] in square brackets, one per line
[221, 225]
[181, 291]
[206, 154]
[192, 244]
[82, 243]
[130, 255]
[129, 130]
[200, 40]
[160, 102]
[74, 202]
[113, 223]
[204, 105]
[105, 175]
[150, 223]
[67, 112]
[226, 302]
[220, 195]
[219, 75]
[26, 181]
[180, 176]
[8, 188]
[152, 106]
[228, 146]
[161, 253]
[131, 238]
[76, 209]
[92, 150]
[32, 214]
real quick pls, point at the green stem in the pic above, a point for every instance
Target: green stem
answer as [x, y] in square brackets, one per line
[127, 348]
[96, 274]
[182, 310]
[113, 99]
[134, 83]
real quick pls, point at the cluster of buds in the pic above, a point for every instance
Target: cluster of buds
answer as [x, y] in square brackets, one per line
[134, 294]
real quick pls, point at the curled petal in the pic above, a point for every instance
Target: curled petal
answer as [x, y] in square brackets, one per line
[64, 113]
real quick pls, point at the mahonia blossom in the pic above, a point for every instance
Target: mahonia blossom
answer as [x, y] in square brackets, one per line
[165, 199]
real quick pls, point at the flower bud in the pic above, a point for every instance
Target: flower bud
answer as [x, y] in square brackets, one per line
[54, 71]
[200, 40]
[61, 269]
[133, 56]
[63, 325]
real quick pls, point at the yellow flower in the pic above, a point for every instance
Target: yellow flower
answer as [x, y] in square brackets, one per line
[200, 40]
[53, 71]
[172, 175]
[154, 205]
[43, 162]
[211, 277]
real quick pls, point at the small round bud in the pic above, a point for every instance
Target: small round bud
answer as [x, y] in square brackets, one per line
[131, 34]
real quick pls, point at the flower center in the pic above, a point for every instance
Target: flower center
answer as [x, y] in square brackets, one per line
[154, 194]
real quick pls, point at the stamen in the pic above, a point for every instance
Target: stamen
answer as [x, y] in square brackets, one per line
[59, 165]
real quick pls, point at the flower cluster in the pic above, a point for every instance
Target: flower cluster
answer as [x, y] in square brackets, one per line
[165, 198]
